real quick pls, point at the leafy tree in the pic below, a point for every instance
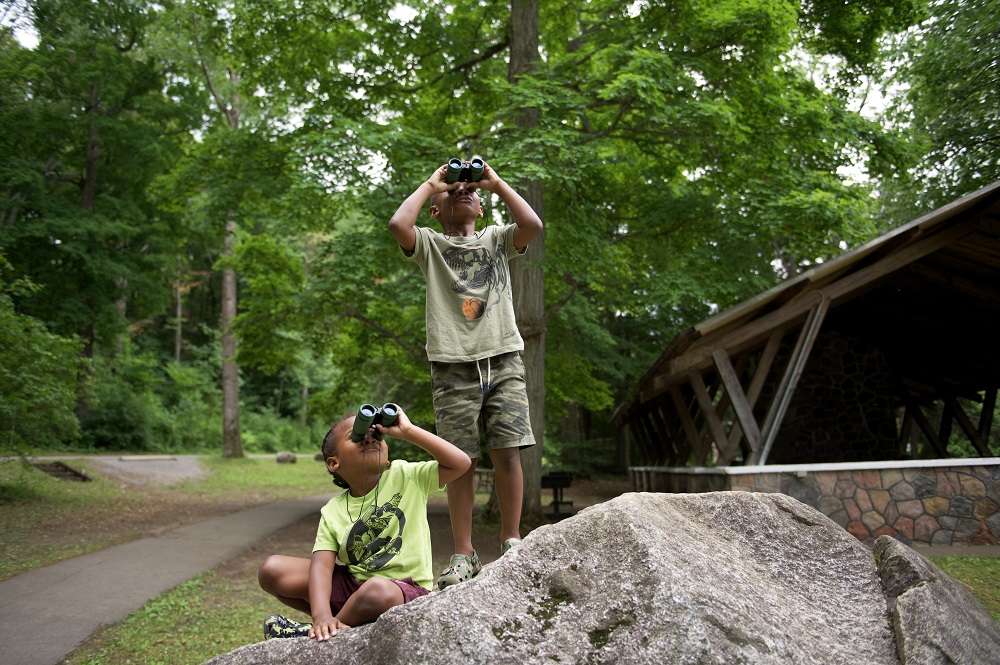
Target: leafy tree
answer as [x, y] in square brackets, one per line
[948, 100]
[88, 130]
[38, 376]
[683, 150]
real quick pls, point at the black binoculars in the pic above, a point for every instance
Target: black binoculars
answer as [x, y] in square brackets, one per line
[369, 416]
[470, 171]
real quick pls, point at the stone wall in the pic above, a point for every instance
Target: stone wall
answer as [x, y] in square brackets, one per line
[841, 410]
[929, 502]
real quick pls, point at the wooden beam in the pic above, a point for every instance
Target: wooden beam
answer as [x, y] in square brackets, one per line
[905, 432]
[797, 362]
[642, 440]
[957, 283]
[913, 409]
[986, 413]
[693, 437]
[944, 430]
[708, 411]
[665, 452]
[966, 425]
[764, 366]
[742, 406]
[756, 385]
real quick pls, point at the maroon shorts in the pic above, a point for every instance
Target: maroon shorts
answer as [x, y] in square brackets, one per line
[344, 586]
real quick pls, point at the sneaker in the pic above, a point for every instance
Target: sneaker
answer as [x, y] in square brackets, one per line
[509, 544]
[460, 569]
[276, 625]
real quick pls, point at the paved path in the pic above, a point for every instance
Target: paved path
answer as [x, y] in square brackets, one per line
[48, 612]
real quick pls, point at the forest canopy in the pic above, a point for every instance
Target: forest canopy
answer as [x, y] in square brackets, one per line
[194, 194]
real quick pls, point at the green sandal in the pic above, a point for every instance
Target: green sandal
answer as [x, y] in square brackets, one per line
[460, 569]
[509, 544]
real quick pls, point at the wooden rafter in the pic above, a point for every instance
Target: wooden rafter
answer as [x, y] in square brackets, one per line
[966, 425]
[796, 363]
[708, 412]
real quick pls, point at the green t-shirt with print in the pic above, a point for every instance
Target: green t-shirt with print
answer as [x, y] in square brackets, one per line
[385, 532]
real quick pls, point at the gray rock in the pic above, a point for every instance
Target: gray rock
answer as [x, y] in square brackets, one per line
[934, 617]
[723, 577]
[285, 457]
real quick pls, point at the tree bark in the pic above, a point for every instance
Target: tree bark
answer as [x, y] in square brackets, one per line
[232, 445]
[178, 333]
[92, 154]
[527, 277]
[232, 111]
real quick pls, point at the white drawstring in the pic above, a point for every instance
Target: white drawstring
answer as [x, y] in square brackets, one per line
[489, 371]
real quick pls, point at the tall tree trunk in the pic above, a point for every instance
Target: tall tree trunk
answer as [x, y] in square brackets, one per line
[527, 276]
[178, 334]
[92, 154]
[304, 411]
[231, 109]
[232, 446]
[88, 200]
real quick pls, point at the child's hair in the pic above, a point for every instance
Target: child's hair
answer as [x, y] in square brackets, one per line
[330, 449]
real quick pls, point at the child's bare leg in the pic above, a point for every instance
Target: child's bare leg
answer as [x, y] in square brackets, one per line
[369, 602]
[461, 499]
[510, 490]
[287, 579]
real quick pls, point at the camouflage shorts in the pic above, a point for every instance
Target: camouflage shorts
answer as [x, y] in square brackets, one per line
[494, 402]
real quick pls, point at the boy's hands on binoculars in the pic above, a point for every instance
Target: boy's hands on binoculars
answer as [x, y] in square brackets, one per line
[488, 181]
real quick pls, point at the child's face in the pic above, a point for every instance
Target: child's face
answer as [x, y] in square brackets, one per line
[457, 205]
[352, 461]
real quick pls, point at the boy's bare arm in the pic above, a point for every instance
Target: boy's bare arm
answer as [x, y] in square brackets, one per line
[402, 222]
[529, 225]
[452, 462]
[325, 625]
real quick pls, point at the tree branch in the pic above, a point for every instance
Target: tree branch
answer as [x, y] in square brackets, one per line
[355, 314]
[204, 68]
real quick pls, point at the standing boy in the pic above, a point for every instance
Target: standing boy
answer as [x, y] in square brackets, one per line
[473, 342]
[373, 545]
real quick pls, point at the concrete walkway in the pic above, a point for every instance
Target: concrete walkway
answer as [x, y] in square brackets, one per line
[48, 612]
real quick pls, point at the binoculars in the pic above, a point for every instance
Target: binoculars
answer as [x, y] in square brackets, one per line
[470, 171]
[369, 416]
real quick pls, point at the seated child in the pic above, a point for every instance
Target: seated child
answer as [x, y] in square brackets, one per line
[373, 546]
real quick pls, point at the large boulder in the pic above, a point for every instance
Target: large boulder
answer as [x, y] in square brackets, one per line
[724, 577]
[935, 618]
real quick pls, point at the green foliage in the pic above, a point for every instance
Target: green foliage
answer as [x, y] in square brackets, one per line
[585, 459]
[87, 130]
[125, 411]
[691, 156]
[948, 103]
[264, 432]
[38, 377]
[268, 324]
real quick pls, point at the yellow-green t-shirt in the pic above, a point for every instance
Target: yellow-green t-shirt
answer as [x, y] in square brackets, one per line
[385, 532]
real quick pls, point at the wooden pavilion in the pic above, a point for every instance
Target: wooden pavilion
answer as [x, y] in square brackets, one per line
[879, 354]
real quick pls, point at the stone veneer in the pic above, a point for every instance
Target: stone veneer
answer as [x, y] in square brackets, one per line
[841, 410]
[918, 502]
